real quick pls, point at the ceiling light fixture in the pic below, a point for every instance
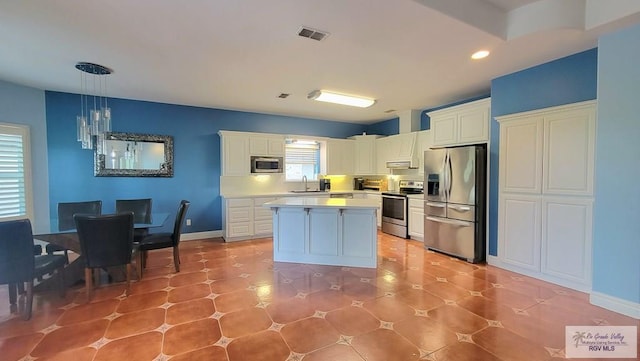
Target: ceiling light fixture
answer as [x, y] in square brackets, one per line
[331, 97]
[95, 120]
[481, 54]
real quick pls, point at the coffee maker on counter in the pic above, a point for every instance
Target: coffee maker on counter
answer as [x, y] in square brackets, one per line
[358, 184]
[324, 184]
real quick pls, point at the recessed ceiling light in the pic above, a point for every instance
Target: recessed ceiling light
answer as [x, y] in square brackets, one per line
[331, 97]
[480, 54]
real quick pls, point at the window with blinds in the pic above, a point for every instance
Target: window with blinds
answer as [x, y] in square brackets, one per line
[302, 158]
[14, 172]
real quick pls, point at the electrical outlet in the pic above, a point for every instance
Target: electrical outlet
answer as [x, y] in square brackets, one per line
[188, 221]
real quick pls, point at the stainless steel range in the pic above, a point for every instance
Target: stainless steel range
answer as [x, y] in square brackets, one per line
[395, 208]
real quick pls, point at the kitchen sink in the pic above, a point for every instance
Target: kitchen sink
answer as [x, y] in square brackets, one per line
[301, 191]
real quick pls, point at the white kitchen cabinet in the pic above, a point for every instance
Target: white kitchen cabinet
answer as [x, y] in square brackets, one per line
[262, 218]
[266, 145]
[238, 218]
[365, 154]
[234, 149]
[461, 124]
[339, 156]
[546, 193]
[566, 238]
[424, 141]
[416, 218]
[521, 155]
[569, 151]
[382, 154]
[519, 230]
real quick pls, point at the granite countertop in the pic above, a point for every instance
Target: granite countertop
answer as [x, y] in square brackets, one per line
[315, 202]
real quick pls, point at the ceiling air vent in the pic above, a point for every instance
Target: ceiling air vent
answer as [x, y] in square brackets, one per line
[389, 111]
[312, 33]
[283, 95]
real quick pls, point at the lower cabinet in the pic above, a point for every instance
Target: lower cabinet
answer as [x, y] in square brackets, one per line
[416, 219]
[262, 218]
[330, 236]
[244, 218]
[238, 218]
[548, 236]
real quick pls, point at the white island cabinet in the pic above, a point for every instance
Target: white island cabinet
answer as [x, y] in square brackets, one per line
[334, 231]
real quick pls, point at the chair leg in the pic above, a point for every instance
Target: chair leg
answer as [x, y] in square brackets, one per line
[29, 305]
[88, 280]
[13, 297]
[63, 284]
[176, 258]
[128, 279]
[140, 264]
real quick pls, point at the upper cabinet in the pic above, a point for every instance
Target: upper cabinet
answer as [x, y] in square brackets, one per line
[462, 124]
[339, 156]
[234, 149]
[271, 145]
[365, 154]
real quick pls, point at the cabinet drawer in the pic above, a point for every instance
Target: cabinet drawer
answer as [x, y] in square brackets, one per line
[240, 202]
[264, 227]
[239, 214]
[260, 213]
[241, 229]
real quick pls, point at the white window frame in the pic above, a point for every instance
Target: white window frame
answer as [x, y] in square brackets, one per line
[24, 132]
[318, 164]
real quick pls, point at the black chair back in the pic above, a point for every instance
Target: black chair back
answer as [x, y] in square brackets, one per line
[105, 240]
[177, 227]
[16, 252]
[141, 209]
[67, 210]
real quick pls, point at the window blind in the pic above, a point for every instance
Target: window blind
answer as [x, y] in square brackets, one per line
[13, 197]
[301, 154]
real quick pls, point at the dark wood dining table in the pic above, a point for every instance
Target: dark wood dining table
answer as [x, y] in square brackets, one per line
[68, 239]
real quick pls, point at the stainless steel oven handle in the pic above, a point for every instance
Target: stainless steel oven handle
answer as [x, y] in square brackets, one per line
[394, 197]
[450, 221]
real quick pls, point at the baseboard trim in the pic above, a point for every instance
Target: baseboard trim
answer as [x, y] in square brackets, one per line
[200, 235]
[495, 261]
[627, 308]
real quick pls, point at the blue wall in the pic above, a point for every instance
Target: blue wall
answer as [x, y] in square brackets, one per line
[616, 230]
[196, 153]
[24, 105]
[563, 81]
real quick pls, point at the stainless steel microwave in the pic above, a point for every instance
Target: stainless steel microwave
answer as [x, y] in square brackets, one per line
[261, 164]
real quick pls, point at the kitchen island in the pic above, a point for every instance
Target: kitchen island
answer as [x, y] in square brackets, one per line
[328, 231]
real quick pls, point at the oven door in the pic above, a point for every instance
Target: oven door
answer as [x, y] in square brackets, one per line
[394, 209]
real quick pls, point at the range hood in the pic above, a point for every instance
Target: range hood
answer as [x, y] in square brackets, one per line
[401, 164]
[402, 153]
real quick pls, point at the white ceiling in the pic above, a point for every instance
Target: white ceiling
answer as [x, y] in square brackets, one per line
[241, 54]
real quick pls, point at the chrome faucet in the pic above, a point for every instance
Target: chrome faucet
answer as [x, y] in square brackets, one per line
[304, 179]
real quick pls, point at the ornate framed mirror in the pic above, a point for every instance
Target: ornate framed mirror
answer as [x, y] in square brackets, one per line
[134, 155]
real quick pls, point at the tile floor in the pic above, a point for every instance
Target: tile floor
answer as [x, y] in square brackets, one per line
[232, 302]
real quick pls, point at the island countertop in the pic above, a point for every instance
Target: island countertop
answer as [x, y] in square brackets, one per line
[314, 202]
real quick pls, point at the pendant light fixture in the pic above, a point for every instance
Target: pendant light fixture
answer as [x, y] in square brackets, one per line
[95, 115]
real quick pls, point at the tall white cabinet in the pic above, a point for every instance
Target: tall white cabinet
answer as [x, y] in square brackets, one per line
[546, 193]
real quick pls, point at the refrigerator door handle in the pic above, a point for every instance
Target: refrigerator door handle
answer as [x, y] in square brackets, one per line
[450, 221]
[450, 175]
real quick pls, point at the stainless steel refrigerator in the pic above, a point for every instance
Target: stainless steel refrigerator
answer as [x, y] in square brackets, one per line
[455, 201]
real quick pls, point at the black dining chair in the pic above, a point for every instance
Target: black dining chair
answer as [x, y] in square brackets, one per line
[141, 209]
[18, 264]
[164, 240]
[105, 241]
[65, 219]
